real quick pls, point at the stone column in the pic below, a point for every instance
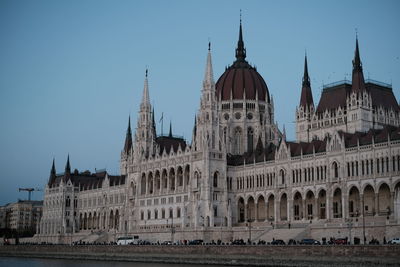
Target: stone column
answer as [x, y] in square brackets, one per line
[246, 208]
[290, 209]
[315, 209]
[328, 205]
[362, 211]
[256, 210]
[376, 204]
[304, 208]
[345, 204]
[277, 210]
[168, 185]
[391, 203]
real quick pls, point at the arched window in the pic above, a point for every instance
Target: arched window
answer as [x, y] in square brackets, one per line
[215, 182]
[250, 139]
[335, 170]
[282, 175]
[237, 145]
[197, 178]
[143, 184]
[178, 212]
[68, 202]
[163, 214]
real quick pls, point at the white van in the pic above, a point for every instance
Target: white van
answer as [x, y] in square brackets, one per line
[125, 240]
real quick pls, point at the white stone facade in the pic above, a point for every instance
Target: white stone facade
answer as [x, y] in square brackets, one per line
[238, 172]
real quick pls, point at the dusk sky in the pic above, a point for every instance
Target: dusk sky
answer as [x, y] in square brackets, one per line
[71, 72]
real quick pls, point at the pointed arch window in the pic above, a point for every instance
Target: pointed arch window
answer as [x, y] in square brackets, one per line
[282, 175]
[215, 182]
[237, 141]
[250, 139]
[335, 170]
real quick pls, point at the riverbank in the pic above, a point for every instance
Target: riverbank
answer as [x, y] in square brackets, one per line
[383, 255]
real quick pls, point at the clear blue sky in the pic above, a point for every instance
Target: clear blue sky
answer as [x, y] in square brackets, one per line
[72, 71]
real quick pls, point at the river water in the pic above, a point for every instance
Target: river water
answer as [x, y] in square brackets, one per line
[37, 262]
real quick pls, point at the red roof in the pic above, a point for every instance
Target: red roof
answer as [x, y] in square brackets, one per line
[334, 97]
[241, 79]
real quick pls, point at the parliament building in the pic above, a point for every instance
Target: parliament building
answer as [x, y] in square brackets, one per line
[240, 177]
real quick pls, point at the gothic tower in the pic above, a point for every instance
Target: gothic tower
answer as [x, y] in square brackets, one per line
[305, 111]
[145, 131]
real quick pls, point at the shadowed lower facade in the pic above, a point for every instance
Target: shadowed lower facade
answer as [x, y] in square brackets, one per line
[239, 177]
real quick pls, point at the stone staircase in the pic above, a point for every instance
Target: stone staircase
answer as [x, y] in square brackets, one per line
[98, 237]
[283, 233]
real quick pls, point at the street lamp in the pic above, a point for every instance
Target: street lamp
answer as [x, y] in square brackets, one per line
[363, 215]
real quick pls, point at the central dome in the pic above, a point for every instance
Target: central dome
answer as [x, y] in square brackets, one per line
[241, 80]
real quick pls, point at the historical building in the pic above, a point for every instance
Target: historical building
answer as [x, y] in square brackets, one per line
[23, 215]
[239, 177]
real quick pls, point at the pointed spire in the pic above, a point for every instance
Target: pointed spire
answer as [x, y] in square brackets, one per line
[306, 99]
[357, 60]
[68, 166]
[53, 168]
[284, 133]
[170, 129]
[154, 123]
[209, 75]
[358, 83]
[306, 78]
[195, 126]
[128, 138]
[52, 173]
[145, 97]
[240, 50]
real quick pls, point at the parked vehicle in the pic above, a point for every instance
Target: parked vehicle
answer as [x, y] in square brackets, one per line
[238, 242]
[309, 241]
[125, 240]
[144, 242]
[374, 241]
[166, 243]
[278, 242]
[340, 241]
[292, 242]
[196, 242]
[394, 241]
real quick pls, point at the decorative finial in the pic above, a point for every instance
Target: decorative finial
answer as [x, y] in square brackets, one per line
[147, 71]
[209, 45]
[240, 16]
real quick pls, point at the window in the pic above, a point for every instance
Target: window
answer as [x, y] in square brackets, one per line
[336, 171]
[282, 175]
[171, 213]
[237, 141]
[215, 182]
[250, 139]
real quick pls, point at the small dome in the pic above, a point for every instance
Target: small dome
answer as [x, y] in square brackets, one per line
[241, 79]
